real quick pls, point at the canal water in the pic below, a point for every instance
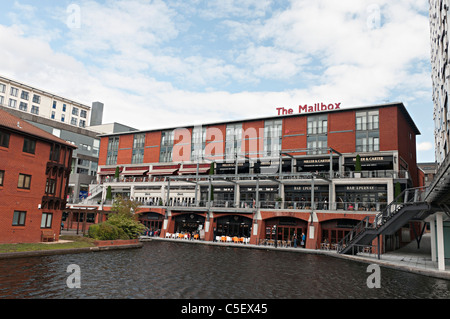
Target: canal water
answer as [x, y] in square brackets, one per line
[174, 270]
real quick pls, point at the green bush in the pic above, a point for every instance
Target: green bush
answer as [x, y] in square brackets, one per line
[93, 231]
[117, 227]
[106, 231]
[130, 227]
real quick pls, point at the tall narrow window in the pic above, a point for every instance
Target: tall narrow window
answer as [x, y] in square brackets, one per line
[113, 148]
[272, 137]
[4, 139]
[198, 143]
[317, 134]
[50, 187]
[233, 141]
[367, 131]
[165, 154]
[138, 148]
[2, 176]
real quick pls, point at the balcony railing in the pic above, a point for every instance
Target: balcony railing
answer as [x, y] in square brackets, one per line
[250, 177]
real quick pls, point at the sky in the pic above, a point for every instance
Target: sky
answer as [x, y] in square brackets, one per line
[157, 64]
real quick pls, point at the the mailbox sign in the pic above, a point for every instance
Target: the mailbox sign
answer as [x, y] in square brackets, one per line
[317, 107]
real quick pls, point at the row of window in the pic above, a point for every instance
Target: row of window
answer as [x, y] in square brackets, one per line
[19, 218]
[73, 120]
[24, 182]
[29, 145]
[367, 139]
[23, 106]
[75, 110]
[25, 95]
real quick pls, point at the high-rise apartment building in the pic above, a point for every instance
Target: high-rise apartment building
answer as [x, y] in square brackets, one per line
[439, 189]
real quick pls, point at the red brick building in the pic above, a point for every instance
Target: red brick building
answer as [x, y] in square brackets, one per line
[34, 173]
[273, 177]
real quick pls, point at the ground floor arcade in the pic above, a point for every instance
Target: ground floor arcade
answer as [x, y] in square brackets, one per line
[271, 227]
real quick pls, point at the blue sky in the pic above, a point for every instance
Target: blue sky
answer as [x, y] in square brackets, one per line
[156, 64]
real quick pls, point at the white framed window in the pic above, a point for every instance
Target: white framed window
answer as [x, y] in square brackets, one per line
[14, 91]
[12, 103]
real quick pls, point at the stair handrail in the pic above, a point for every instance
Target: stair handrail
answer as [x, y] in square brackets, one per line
[404, 198]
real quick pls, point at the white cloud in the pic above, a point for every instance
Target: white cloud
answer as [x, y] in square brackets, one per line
[153, 65]
[424, 146]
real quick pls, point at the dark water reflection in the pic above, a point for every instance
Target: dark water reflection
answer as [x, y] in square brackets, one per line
[175, 270]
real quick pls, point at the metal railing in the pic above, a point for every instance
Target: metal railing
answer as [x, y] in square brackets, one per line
[250, 177]
[407, 197]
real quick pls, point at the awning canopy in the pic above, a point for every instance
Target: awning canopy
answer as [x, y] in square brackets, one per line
[135, 171]
[163, 170]
[109, 171]
[192, 169]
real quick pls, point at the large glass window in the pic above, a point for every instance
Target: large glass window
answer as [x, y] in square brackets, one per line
[138, 148]
[233, 141]
[198, 143]
[367, 120]
[317, 134]
[272, 137]
[113, 147]
[367, 131]
[165, 154]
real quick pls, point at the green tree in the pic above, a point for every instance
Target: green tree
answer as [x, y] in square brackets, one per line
[108, 193]
[397, 191]
[122, 223]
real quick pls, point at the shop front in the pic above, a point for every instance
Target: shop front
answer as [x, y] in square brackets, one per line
[151, 220]
[267, 196]
[284, 230]
[272, 166]
[230, 168]
[299, 196]
[361, 197]
[223, 196]
[378, 166]
[333, 231]
[320, 165]
[233, 225]
[189, 223]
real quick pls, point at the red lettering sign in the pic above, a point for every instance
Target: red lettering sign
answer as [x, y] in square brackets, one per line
[317, 107]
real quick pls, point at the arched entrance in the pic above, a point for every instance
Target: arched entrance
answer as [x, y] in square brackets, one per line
[152, 221]
[283, 229]
[189, 223]
[233, 225]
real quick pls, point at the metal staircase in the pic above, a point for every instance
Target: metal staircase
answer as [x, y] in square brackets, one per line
[408, 206]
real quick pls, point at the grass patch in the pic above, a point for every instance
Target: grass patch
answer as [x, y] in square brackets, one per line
[75, 242]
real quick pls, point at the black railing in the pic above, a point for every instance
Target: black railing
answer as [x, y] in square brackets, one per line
[407, 197]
